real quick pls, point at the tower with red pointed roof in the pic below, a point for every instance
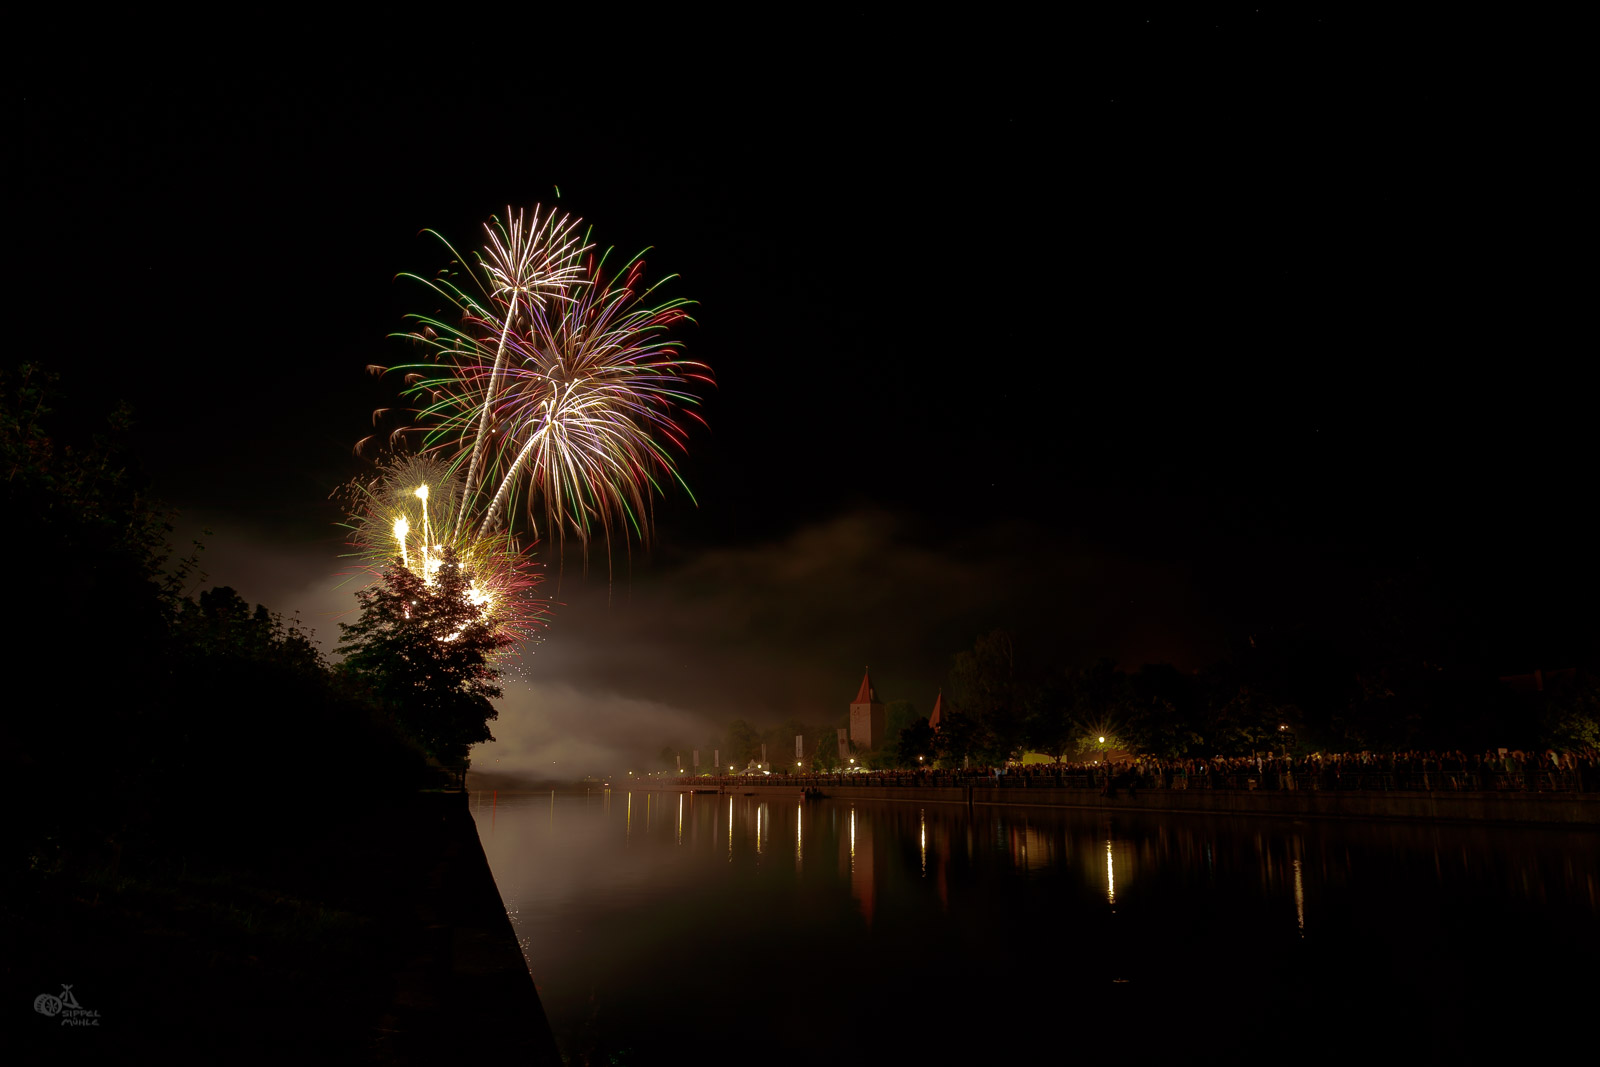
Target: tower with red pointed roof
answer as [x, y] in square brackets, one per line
[936, 720]
[868, 720]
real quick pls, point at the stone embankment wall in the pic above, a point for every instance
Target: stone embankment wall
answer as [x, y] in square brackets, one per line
[1546, 809]
[469, 986]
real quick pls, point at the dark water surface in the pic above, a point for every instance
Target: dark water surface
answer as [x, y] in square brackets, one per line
[662, 927]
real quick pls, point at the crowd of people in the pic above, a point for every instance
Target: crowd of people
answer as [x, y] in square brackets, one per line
[1576, 770]
[1497, 769]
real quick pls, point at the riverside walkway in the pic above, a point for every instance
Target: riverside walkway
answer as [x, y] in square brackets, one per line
[1377, 795]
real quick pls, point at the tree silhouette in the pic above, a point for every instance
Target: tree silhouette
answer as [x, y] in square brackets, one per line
[985, 685]
[423, 649]
[915, 739]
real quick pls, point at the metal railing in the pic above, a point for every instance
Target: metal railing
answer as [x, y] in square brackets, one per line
[1329, 779]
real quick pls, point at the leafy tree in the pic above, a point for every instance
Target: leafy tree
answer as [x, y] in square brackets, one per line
[1242, 718]
[1052, 730]
[86, 547]
[249, 692]
[159, 691]
[779, 740]
[917, 739]
[985, 685]
[1158, 711]
[1572, 713]
[825, 756]
[87, 493]
[961, 737]
[424, 650]
[220, 623]
[898, 716]
[743, 745]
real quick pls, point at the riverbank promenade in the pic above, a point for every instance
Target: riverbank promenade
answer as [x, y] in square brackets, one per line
[1382, 796]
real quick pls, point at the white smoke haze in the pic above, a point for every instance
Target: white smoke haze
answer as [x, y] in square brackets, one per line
[287, 577]
[764, 632]
[554, 730]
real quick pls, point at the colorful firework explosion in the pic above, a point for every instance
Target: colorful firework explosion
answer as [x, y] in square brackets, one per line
[554, 397]
[404, 513]
[558, 392]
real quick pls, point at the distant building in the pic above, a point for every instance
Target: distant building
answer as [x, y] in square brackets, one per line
[937, 718]
[868, 719]
[1540, 680]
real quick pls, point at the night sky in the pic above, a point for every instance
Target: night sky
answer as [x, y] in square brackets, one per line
[1135, 336]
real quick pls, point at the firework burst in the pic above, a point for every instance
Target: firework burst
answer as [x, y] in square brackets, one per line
[559, 403]
[552, 400]
[405, 514]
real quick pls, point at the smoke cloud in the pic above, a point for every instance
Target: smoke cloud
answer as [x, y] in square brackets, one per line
[763, 632]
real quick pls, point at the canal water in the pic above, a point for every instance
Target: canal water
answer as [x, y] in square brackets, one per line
[664, 927]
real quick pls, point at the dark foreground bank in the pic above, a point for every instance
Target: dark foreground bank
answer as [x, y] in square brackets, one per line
[377, 936]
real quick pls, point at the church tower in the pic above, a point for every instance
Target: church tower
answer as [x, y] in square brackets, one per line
[868, 721]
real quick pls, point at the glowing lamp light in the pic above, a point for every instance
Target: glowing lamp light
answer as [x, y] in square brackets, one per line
[1102, 740]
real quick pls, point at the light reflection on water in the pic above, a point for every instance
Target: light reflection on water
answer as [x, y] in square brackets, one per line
[1299, 900]
[1111, 876]
[633, 931]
